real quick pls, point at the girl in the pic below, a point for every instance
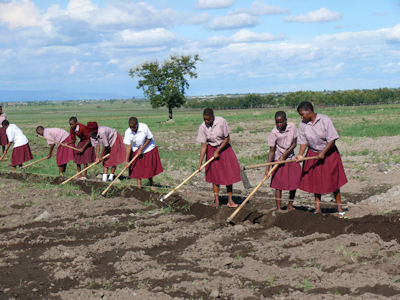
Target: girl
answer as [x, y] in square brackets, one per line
[64, 154]
[86, 153]
[3, 135]
[139, 140]
[112, 143]
[213, 135]
[282, 140]
[325, 175]
[21, 151]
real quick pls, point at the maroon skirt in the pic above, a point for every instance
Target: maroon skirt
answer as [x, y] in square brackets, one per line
[64, 154]
[146, 166]
[20, 155]
[323, 176]
[225, 170]
[88, 156]
[286, 177]
[117, 153]
[3, 137]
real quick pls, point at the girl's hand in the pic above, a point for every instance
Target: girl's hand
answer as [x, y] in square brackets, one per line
[299, 158]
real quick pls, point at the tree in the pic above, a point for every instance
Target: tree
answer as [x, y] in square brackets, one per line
[165, 84]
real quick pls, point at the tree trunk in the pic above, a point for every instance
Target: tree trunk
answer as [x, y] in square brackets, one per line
[170, 112]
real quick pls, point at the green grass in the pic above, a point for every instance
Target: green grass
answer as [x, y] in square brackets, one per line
[177, 140]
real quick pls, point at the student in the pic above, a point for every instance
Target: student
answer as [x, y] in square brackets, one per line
[112, 143]
[58, 135]
[3, 135]
[325, 175]
[86, 154]
[139, 140]
[21, 151]
[282, 140]
[213, 134]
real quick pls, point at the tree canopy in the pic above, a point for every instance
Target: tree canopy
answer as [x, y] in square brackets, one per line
[165, 84]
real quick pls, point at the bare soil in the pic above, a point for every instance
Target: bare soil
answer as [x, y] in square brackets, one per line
[129, 245]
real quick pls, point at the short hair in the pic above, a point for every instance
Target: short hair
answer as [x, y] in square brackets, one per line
[39, 128]
[280, 114]
[305, 105]
[133, 120]
[208, 112]
[5, 123]
[73, 119]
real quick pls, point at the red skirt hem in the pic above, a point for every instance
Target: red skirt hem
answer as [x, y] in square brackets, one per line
[286, 177]
[225, 170]
[147, 166]
[117, 153]
[64, 154]
[20, 155]
[88, 156]
[323, 176]
[3, 137]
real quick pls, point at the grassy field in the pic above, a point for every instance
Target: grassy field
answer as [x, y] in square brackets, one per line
[177, 140]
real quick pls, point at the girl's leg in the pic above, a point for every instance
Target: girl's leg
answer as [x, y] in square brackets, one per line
[229, 189]
[4, 148]
[78, 167]
[317, 203]
[292, 194]
[151, 184]
[85, 173]
[216, 194]
[139, 183]
[61, 169]
[338, 200]
[111, 177]
[278, 198]
[105, 173]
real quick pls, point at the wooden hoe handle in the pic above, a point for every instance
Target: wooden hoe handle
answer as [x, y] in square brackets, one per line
[62, 144]
[187, 179]
[251, 194]
[120, 173]
[87, 168]
[35, 162]
[279, 162]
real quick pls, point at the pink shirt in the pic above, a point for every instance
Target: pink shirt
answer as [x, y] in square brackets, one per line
[105, 136]
[282, 140]
[215, 134]
[55, 134]
[317, 135]
[3, 117]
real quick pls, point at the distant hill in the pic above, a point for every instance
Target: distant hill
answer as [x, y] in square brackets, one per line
[18, 96]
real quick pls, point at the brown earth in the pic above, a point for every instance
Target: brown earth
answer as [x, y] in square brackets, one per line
[129, 245]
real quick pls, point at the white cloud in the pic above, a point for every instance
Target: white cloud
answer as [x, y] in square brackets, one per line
[260, 8]
[233, 21]
[208, 4]
[394, 34]
[321, 15]
[145, 38]
[73, 67]
[391, 34]
[20, 14]
[242, 36]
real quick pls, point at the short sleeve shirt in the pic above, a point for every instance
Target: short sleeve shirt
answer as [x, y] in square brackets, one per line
[105, 136]
[54, 135]
[16, 136]
[3, 117]
[318, 134]
[282, 140]
[214, 134]
[137, 139]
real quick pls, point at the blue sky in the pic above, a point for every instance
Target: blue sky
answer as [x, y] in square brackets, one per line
[84, 48]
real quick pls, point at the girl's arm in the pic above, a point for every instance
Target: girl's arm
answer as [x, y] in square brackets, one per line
[141, 149]
[327, 148]
[303, 148]
[289, 150]
[221, 147]
[51, 151]
[203, 151]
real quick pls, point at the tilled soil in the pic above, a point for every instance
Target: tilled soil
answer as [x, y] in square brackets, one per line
[130, 245]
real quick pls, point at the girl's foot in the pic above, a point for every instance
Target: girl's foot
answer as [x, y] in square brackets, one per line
[232, 205]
